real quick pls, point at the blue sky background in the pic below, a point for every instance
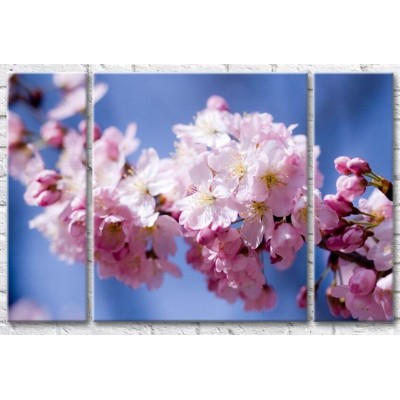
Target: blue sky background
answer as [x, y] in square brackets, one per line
[353, 117]
[156, 102]
[34, 272]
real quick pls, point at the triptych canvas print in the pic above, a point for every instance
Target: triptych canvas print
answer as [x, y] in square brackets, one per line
[200, 193]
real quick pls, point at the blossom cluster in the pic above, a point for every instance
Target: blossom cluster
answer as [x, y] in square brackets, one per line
[242, 195]
[234, 190]
[60, 189]
[360, 244]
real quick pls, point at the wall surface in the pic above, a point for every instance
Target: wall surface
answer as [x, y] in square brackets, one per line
[194, 328]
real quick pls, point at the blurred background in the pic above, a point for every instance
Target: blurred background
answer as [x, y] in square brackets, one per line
[354, 118]
[40, 286]
[156, 102]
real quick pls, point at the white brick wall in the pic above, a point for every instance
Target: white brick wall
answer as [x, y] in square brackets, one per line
[235, 328]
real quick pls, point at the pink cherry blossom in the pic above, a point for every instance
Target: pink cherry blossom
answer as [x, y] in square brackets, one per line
[362, 282]
[44, 190]
[358, 166]
[52, 133]
[69, 81]
[139, 189]
[384, 295]
[339, 205]
[301, 297]
[74, 101]
[277, 179]
[284, 245]
[25, 163]
[349, 187]
[211, 204]
[209, 128]
[349, 240]
[217, 103]
[258, 223]
[341, 165]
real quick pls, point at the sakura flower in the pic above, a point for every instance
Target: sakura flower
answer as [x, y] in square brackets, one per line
[301, 297]
[325, 218]
[44, 190]
[337, 307]
[211, 204]
[232, 164]
[378, 205]
[341, 165]
[111, 234]
[147, 181]
[52, 133]
[115, 143]
[57, 230]
[361, 307]
[339, 205]
[155, 270]
[380, 250]
[69, 81]
[349, 240]
[265, 301]
[217, 103]
[163, 235]
[74, 101]
[350, 187]
[358, 166]
[384, 295]
[362, 282]
[209, 128]
[25, 163]
[258, 223]
[277, 178]
[284, 245]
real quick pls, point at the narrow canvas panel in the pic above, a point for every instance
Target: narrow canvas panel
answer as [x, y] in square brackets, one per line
[354, 210]
[199, 197]
[47, 197]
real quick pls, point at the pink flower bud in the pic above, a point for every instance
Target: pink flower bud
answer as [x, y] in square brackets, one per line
[52, 133]
[206, 236]
[301, 297]
[48, 197]
[337, 203]
[336, 306]
[354, 237]
[363, 281]
[43, 190]
[48, 177]
[350, 239]
[358, 166]
[217, 103]
[350, 187]
[341, 165]
[334, 243]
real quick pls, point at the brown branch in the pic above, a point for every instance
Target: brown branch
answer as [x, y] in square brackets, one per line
[353, 257]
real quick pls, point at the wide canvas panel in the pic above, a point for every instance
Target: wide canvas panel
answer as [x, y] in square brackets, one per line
[354, 210]
[47, 196]
[199, 197]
